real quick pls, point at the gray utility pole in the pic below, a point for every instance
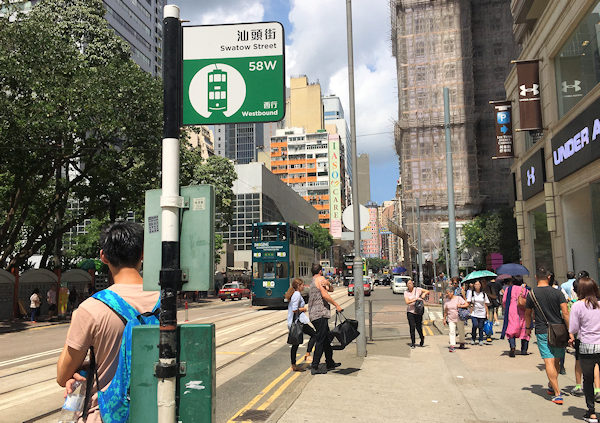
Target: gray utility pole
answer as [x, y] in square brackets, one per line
[171, 202]
[419, 247]
[359, 289]
[450, 181]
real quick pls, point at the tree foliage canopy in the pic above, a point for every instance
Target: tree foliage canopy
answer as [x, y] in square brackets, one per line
[321, 237]
[80, 124]
[377, 264]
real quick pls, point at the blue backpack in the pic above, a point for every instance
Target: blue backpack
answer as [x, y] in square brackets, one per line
[114, 402]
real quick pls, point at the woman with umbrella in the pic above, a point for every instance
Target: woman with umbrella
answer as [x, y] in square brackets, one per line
[514, 315]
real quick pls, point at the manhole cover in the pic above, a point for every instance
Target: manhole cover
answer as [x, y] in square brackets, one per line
[254, 415]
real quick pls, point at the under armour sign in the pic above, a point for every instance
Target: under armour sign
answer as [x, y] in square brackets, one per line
[530, 110]
[575, 86]
[532, 91]
[578, 143]
[533, 175]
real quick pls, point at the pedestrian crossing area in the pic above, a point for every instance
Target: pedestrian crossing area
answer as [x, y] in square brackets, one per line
[435, 315]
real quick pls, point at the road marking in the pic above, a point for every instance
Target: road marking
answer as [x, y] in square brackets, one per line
[18, 398]
[29, 357]
[262, 393]
[232, 352]
[429, 331]
[278, 392]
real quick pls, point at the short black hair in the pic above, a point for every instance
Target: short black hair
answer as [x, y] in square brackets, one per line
[570, 274]
[123, 244]
[583, 274]
[316, 268]
[541, 273]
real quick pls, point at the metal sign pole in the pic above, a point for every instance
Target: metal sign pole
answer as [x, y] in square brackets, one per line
[171, 202]
[359, 291]
[450, 182]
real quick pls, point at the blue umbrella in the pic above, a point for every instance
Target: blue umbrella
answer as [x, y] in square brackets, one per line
[400, 269]
[513, 269]
[478, 274]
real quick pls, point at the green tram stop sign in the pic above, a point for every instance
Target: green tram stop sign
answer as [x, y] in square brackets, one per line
[233, 73]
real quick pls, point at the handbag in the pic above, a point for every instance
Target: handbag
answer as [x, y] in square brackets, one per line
[419, 307]
[346, 331]
[522, 299]
[558, 334]
[295, 335]
[464, 314]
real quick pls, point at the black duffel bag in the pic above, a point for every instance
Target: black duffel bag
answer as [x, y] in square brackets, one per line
[346, 331]
[295, 336]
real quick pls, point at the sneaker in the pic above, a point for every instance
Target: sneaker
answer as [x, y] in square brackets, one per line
[333, 366]
[473, 342]
[489, 340]
[317, 371]
[577, 391]
[462, 346]
[451, 349]
[563, 371]
[480, 343]
[557, 400]
[412, 346]
[512, 352]
[588, 419]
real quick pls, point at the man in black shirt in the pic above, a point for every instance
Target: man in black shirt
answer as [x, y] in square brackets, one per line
[554, 308]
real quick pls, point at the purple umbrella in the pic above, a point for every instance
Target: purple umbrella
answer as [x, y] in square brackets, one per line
[512, 269]
[503, 277]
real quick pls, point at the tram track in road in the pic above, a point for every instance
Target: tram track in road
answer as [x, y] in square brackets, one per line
[264, 321]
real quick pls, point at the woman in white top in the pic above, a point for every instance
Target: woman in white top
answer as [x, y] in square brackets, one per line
[34, 304]
[479, 301]
[297, 310]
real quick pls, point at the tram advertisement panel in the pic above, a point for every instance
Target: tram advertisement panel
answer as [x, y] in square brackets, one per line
[233, 73]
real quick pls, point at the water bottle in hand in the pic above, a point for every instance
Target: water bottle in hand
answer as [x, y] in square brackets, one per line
[73, 406]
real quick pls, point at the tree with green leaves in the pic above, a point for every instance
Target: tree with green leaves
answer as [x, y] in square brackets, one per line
[376, 264]
[321, 237]
[493, 232]
[80, 125]
[216, 171]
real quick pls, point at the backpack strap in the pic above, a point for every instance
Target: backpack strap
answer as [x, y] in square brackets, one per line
[117, 304]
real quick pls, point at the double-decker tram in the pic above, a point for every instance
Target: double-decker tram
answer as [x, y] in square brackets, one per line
[280, 252]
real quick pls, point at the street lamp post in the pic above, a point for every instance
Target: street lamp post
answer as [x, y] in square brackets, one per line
[359, 297]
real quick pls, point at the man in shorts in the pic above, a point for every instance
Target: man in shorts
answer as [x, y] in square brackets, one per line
[554, 307]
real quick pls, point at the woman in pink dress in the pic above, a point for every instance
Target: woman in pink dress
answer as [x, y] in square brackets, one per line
[514, 315]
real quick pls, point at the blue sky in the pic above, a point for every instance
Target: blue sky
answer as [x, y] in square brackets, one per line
[315, 33]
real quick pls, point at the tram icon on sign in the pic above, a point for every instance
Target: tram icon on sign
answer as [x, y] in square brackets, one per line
[217, 90]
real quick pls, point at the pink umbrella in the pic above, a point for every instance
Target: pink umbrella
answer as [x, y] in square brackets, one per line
[502, 277]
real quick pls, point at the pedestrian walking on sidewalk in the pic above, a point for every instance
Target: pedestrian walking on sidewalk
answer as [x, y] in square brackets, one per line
[318, 310]
[34, 304]
[297, 310]
[584, 321]
[415, 320]
[51, 298]
[549, 306]
[451, 305]
[479, 301]
[514, 300]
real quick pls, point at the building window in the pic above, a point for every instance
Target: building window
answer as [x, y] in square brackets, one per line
[420, 49]
[577, 65]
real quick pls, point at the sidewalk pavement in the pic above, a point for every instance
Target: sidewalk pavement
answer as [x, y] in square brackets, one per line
[397, 384]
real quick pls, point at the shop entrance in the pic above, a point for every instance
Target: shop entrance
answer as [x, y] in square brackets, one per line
[579, 238]
[542, 244]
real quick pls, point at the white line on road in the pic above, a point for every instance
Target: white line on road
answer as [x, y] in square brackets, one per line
[29, 357]
[21, 397]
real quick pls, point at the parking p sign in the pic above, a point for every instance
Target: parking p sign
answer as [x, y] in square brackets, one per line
[233, 73]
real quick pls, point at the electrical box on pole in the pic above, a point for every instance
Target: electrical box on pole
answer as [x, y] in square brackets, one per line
[197, 238]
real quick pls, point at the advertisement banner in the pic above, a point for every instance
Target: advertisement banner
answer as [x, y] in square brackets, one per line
[335, 187]
[504, 132]
[530, 107]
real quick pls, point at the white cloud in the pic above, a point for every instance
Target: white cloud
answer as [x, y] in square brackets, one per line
[318, 49]
[207, 12]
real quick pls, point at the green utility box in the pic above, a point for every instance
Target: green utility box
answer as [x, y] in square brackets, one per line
[197, 238]
[196, 386]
